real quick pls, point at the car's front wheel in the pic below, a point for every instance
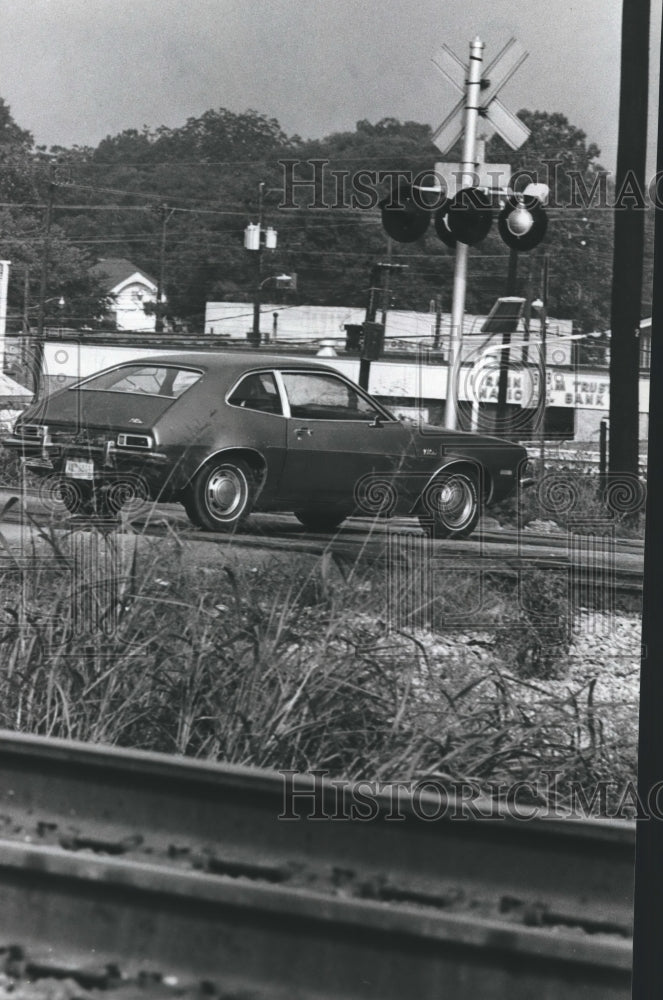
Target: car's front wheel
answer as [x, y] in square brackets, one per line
[450, 506]
[320, 518]
[221, 496]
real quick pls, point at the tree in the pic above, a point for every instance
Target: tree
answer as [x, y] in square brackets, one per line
[579, 237]
[25, 176]
[207, 173]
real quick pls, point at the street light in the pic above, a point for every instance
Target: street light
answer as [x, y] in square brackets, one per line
[282, 281]
[285, 279]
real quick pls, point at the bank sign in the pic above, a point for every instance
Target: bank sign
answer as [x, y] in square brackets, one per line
[566, 389]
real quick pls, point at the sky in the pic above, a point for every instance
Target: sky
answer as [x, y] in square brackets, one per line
[75, 71]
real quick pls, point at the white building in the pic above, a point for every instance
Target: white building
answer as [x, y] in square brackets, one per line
[130, 289]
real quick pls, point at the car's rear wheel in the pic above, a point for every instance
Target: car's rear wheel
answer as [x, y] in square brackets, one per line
[221, 496]
[450, 506]
[320, 518]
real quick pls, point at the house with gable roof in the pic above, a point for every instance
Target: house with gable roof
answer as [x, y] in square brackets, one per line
[130, 289]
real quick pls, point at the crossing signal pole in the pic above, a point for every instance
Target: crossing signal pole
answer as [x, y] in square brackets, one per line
[462, 249]
[522, 223]
[464, 193]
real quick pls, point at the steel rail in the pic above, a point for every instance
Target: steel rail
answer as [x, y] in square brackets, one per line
[149, 859]
[275, 942]
[355, 525]
[373, 544]
[241, 819]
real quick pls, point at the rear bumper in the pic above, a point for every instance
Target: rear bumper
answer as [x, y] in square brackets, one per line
[153, 470]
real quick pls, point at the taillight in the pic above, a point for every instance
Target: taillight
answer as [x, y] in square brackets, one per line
[32, 432]
[134, 441]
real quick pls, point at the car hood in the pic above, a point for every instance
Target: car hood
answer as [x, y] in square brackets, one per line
[463, 440]
[99, 409]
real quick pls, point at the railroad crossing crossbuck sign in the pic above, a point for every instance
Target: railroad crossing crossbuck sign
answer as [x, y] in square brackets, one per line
[497, 75]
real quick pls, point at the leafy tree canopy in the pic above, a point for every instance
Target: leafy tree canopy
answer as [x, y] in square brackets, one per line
[192, 190]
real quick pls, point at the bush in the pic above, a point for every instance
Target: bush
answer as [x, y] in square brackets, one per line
[579, 502]
[540, 628]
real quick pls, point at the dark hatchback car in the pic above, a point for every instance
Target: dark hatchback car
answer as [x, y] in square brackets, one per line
[225, 434]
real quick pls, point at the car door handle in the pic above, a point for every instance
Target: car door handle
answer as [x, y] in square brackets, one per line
[301, 431]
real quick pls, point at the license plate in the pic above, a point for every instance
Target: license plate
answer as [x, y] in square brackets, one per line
[79, 469]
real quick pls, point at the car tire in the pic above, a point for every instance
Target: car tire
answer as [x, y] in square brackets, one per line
[450, 506]
[320, 518]
[221, 496]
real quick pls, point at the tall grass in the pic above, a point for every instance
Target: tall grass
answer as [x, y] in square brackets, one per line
[295, 664]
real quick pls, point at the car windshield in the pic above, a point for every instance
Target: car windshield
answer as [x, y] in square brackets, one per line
[143, 380]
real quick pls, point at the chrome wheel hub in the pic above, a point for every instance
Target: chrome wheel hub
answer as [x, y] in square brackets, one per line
[225, 493]
[455, 502]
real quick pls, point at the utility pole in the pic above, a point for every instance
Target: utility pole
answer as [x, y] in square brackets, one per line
[502, 385]
[38, 352]
[165, 216]
[544, 365]
[373, 333]
[629, 241]
[385, 282]
[371, 310]
[527, 315]
[254, 241]
[257, 274]
[4, 287]
[468, 165]
[25, 339]
[438, 322]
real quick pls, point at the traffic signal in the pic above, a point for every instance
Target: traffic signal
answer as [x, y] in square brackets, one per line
[402, 218]
[522, 223]
[373, 340]
[467, 218]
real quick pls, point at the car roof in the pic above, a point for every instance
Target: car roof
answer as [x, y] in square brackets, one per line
[231, 361]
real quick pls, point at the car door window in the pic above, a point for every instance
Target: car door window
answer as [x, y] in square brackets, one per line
[257, 392]
[321, 396]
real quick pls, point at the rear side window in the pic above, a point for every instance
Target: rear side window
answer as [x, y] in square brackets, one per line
[143, 380]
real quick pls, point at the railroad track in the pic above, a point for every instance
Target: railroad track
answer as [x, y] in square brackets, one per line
[116, 863]
[617, 568]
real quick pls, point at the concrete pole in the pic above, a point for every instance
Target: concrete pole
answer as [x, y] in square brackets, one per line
[468, 166]
[4, 284]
